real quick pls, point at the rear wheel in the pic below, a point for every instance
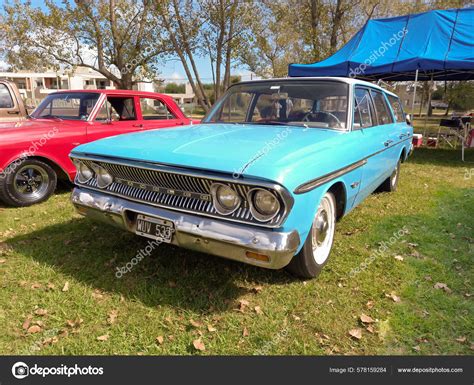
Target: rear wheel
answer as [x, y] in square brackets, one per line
[27, 182]
[391, 183]
[309, 262]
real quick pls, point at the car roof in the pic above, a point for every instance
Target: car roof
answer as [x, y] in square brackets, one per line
[327, 78]
[117, 92]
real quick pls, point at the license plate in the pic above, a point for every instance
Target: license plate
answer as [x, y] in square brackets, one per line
[155, 228]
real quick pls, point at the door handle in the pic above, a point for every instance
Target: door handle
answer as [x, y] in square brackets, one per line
[13, 112]
[388, 143]
[137, 125]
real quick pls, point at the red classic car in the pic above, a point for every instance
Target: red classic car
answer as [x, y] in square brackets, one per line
[34, 152]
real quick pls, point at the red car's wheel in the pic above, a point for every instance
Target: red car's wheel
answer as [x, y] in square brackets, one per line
[27, 182]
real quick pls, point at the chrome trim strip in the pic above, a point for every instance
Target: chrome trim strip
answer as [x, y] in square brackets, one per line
[312, 184]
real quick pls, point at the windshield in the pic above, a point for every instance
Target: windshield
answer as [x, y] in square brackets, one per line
[321, 104]
[67, 106]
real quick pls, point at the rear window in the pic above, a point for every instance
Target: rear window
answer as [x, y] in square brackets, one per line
[396, 108]
[5, 97]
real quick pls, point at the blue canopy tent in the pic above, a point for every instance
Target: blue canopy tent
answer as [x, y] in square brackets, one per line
[434, 45]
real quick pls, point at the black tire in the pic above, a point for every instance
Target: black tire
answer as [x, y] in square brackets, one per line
[391, 183]
[305, 263]
[27, 182]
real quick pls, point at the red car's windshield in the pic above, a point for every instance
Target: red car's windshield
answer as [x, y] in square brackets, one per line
[67, 106]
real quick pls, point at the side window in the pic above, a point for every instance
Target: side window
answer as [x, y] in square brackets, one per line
[396, 108]
[381, 108]
[6, 100]
[362, 109]
[155, 109]
[121, 108]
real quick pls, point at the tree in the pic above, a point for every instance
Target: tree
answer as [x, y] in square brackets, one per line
[120, 39]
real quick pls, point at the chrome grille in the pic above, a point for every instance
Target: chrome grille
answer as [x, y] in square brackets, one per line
[127, 178]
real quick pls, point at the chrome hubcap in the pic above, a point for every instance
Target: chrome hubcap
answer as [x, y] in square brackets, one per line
[31, 182]
[395, 176]
[322, 232]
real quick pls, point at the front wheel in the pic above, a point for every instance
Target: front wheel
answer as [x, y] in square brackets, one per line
[27, 182]
[311, 259]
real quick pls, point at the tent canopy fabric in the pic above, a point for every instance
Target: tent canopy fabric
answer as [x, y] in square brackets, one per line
[439, 44]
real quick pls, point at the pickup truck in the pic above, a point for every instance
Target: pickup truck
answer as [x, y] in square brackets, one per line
[34, 150]
[12, 108]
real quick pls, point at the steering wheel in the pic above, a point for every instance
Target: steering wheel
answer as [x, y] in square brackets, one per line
[306, 117]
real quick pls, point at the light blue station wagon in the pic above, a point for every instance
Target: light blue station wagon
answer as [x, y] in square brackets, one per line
[262, 180]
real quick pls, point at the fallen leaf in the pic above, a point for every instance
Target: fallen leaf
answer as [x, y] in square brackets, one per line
[461, 339]
[66, 286]
[26, 323]
[2, 260]
[412, 244]
[366, 319]
[50, 341]
[257, 289]
[356, 333]
[172, 284]
[195, 323]
[399, 258]
[370, 329]
[416, 348]
[74, 323]
[67, 242]
[105, 337]
[97, 294]
[41, 312]
[258, 310]
[369, 304]
[160, 340]
[50, 286]
[295, 317]
[443, 286]
[211, 328]
[34, 329]
[199, 345]
[245, 332]
[112, 317]
[36, 285]
[243, 304]
[393, 296]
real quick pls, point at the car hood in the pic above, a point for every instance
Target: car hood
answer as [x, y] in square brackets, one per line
[263, 151]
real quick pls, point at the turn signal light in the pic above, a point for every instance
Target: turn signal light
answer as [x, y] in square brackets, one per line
[258, 257]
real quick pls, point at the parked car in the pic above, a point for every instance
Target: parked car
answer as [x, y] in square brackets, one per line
[12, 108]
[34, 153]
[263, 180]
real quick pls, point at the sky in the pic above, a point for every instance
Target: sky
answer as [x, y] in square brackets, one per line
[172, 70]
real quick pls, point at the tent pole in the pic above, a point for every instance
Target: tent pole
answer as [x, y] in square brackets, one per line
[414, 95]
[430, 91]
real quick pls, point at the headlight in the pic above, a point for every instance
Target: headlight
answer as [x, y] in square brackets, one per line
[264, 205]
[104, 179]
[84, 173]
[225, 199]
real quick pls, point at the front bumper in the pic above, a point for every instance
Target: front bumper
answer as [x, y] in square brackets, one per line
[228, 240]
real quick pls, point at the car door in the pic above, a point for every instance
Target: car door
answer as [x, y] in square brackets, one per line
[156, 113]
[118, 114]
[390, 132]
[403, 130]
[369, 140]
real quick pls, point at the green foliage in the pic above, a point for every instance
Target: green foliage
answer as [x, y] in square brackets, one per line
[173, 88]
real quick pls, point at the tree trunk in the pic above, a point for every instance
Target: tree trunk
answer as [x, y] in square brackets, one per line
[336, 25]
[315, 14]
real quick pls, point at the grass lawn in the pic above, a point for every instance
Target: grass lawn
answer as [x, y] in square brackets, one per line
[59, 293]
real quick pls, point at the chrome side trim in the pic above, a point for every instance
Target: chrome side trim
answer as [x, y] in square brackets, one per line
[312, 184]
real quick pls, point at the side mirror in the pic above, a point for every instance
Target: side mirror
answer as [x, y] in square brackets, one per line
[408, 119]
